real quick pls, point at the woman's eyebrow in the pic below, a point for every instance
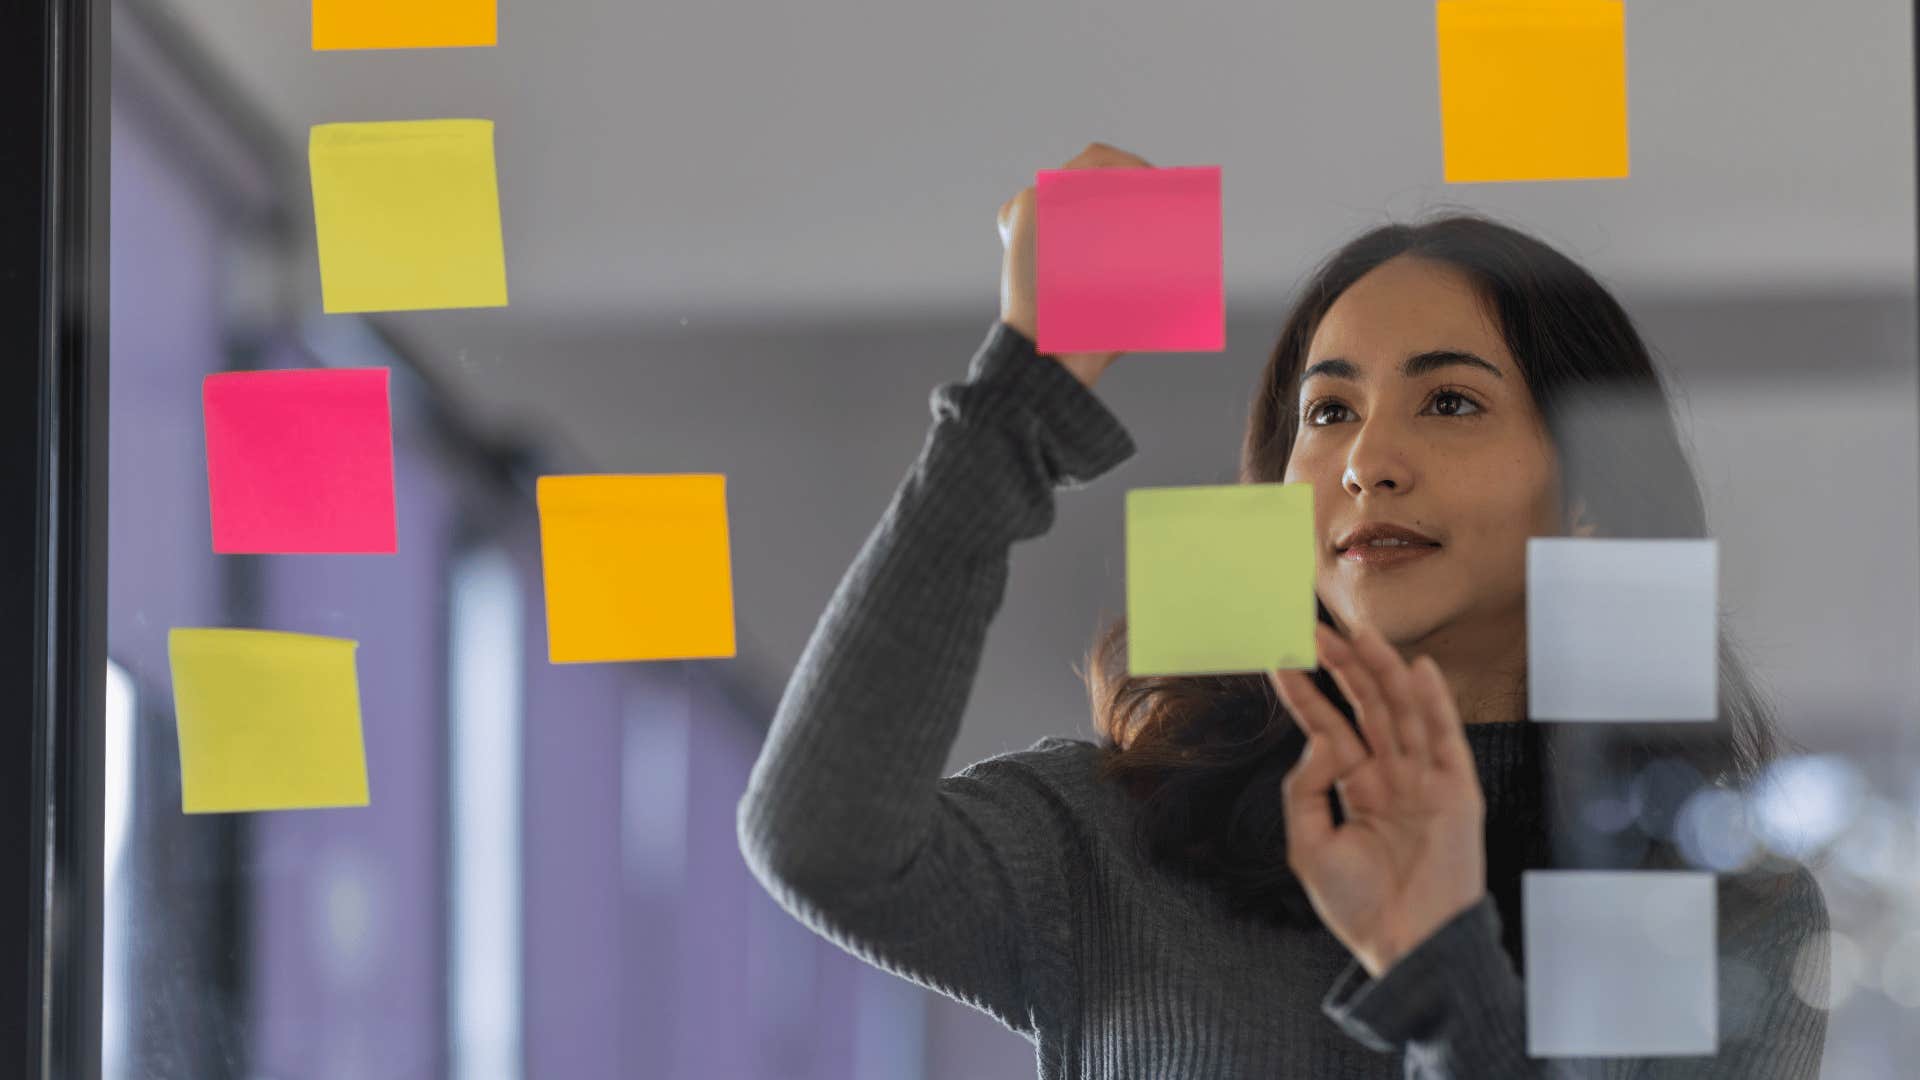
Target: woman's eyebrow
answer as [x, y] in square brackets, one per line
[1412, 367]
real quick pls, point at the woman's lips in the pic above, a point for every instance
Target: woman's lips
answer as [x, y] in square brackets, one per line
[1389, 555]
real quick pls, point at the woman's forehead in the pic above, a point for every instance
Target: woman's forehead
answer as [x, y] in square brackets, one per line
[1404, 307]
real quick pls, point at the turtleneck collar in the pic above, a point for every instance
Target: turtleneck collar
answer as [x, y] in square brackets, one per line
[1510, 759]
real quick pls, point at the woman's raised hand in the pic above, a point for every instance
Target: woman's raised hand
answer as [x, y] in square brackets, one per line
[1410, 854]
[1017, 268]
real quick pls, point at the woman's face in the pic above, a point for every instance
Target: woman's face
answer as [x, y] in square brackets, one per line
[1413, 413]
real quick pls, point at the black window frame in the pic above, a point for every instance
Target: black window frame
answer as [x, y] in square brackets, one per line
[53, 332]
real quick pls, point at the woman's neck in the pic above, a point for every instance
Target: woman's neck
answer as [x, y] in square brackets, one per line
[1489, 705]
[1485, 666]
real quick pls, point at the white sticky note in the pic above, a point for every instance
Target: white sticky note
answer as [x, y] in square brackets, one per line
[1621, 963]
[1623, 630]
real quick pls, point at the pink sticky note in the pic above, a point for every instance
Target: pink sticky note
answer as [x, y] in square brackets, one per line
[1129, 260]
[300, 462]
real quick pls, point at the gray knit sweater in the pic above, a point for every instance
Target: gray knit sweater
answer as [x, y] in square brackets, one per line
[1015, 885]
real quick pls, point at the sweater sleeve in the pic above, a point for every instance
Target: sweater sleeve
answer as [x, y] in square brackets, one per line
[1457, 1009]
[955, 883]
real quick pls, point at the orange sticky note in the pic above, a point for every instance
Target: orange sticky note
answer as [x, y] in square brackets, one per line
[636, 567]
[404, 24]
[1533, 89]
[267, 721]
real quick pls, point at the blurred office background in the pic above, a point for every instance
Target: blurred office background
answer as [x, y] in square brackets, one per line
[750, 241]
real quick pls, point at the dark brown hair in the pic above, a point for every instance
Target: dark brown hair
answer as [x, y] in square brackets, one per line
[1204, 755]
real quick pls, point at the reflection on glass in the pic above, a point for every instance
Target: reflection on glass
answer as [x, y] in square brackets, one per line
[116, 990]
[484, 745]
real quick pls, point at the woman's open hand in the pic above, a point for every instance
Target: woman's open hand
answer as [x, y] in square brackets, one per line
[1411, 852]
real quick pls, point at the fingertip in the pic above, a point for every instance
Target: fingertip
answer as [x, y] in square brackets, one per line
[1328, 640]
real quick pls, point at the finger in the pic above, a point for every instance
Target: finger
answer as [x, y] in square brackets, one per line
[1408, 718]
[1364, 790]
[1099, 155]
[1307, 815]
[1369, 704]
[1012, 210]
[1448, 735]
[1317, 716]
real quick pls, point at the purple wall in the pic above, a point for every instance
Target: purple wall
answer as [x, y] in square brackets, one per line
[333, 924]
[161, 572]
[348, 926]
[165, 322]
[571, 856]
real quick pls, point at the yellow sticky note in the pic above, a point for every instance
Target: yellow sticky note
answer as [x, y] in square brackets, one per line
[404, 24]
[408, 215]
[1220, 579]
[637, 567]
[1533, 89]
[267, 721]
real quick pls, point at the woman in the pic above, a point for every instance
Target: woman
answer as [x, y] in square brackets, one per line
[1281, 875]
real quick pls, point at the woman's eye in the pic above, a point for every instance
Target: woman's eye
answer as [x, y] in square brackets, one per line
[1455, 395]
[1318, 409]
[1316, 412]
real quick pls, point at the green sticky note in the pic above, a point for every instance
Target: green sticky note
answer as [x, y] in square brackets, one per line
[1220, 579]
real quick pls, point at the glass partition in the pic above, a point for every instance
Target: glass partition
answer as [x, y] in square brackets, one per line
[750, 243]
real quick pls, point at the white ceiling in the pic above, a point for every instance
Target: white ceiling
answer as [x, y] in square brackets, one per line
[677, 158]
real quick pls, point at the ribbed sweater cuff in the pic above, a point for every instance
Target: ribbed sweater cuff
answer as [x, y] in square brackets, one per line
[1461, 969]
[1082, 437]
